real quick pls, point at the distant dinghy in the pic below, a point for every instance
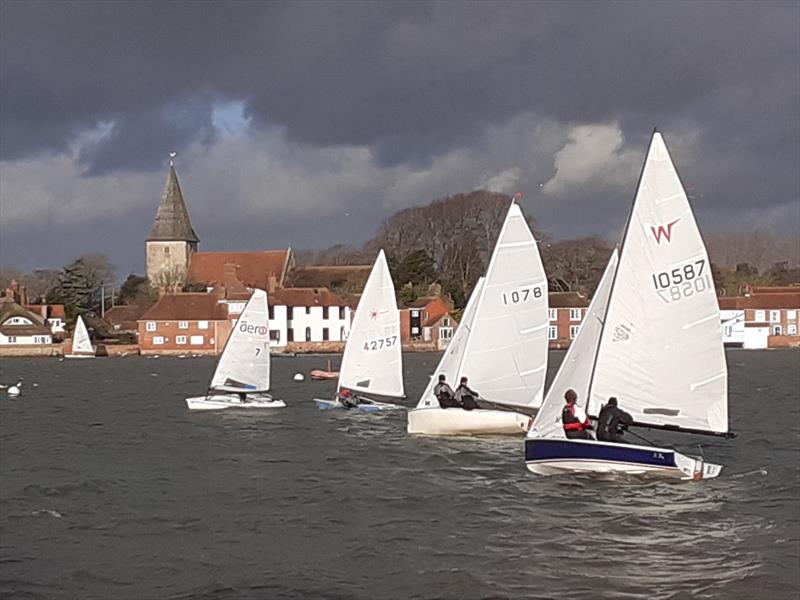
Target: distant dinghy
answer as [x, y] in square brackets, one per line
[81, 342]
[652, 337]
[321, 375]
[242, 377]
[373, 361]
[500, 344]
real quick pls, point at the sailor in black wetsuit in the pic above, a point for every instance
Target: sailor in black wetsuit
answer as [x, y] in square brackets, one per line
[466, 398]
[346, 399]
[612, 422]
[444, 393]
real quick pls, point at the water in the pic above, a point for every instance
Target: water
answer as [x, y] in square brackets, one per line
[109, 488]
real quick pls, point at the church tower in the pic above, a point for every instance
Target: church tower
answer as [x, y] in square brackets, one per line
[172, 240]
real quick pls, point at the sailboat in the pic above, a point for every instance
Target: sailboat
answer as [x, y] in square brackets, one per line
[373, 361]
[500, 345]
[652, 338]
[242, 376]
[81, 343]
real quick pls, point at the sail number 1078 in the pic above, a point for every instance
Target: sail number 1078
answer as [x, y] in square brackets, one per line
[522, 294]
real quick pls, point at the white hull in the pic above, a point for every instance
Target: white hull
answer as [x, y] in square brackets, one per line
[365, 405]
[456, 421]
[558, 456]
[79, 356]
[225, 401]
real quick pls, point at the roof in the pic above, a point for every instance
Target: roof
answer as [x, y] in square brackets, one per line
[253, 269]
[186, 307]
[783, 289]
[9, 308]
[305, 297]
[352, 277]
[172, 219]
[124, 313]
[567, 300]
[423, 301]
[53, 311]
[434, 319]
[761, 302]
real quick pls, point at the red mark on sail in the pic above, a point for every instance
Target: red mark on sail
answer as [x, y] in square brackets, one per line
[665, 232]
[373, 314]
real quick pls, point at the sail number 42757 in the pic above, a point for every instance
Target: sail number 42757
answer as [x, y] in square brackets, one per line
[683, 281]
[523, 294]
[385, 342]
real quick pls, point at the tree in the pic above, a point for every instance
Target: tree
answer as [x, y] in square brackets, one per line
[415, 268]
[575, 265]
[136, 290]
[39, 283]
[80, 283]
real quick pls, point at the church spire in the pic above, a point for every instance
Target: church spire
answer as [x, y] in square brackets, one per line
[172, 219]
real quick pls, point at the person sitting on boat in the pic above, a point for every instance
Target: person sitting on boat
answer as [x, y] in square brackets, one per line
[573, 418]
[242, 397]
[465, 397]
[612, 422]
[444, 393]
[346, 399]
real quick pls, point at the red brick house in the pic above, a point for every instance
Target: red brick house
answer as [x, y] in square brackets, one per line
[427, 323]
[187, 323]
[767, 317]
[567, 310]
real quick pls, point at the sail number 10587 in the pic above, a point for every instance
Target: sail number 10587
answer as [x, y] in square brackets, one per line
[683, 281]
[522, 294]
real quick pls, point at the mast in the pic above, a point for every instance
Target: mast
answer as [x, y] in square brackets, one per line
[614, 279]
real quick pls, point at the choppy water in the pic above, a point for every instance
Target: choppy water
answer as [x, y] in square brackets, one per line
[109, 488]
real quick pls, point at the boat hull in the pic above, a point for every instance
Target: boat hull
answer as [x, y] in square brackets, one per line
[369, 407]
[553, 456]
[226, 401]
[79, 356]
[456, 421]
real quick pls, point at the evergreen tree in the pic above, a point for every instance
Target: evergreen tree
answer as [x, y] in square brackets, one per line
[80, 283]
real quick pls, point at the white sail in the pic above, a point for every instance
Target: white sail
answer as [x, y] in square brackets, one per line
[506, 352]
[244, 365]
[576, 368]
[450, 363]
[661, 347]
[81, 343]
[373, 360]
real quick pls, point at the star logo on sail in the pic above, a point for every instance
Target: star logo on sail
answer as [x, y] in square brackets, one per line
[663, 231]
[375, 313]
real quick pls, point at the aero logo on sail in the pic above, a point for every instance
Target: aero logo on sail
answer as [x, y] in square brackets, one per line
[246, 327]
[661, 231]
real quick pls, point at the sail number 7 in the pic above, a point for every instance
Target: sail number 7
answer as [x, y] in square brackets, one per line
[378, 344]
[682, 282]
[522, 294]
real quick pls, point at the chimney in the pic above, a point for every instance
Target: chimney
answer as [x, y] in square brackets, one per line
[43, 309]
[272, 283]
[23, 295]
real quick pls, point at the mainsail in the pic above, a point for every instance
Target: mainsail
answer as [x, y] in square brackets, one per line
[372, 360]
[450, 363]
[81, 343]
[660, 350]
[576, 368]
[506, 351]
[244, 364]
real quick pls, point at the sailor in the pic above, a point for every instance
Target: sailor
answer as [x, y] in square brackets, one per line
[444, 393]
[465, 397]
[573, 418]
[242, 397]
[612, 422]
[346, 399]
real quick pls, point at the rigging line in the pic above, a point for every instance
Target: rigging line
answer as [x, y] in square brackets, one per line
[641, 437]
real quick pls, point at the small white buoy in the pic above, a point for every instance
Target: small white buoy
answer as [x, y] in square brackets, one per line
[35, 385]
[14, 390]
[299, 377]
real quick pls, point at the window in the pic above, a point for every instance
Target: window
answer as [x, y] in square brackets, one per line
[761, 316]
[573, 331]
[777, 330]
[275, 335]
[271, 313]
[791, 315]
[775, 316]
[552, 314]
[341, 313]
[151, 326]
[791, 329]
[180, 339]
[183, 324]
[552, 333]
[324, 312]
[290, 335]
[290, 312]
[325, 335]
[414, 313]
[12, 339]
[415, 330]
[446, 322]
[197, 340]
[308, 310]
[166, 250]
[158, 340]
[202, 325]
[574, 314]
[308, 334]
[445, 333]
[727, 330]
[342, 334]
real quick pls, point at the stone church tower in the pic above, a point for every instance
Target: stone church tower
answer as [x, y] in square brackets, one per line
[172, 241]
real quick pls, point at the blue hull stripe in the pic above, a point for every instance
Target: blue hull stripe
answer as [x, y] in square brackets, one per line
[543, 450]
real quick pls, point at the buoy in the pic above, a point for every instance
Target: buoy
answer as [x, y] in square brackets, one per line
[14, 390]
[299, 377]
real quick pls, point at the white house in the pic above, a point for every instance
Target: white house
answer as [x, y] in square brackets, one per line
[20, 327]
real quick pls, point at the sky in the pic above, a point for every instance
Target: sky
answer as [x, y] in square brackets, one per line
[306, 124]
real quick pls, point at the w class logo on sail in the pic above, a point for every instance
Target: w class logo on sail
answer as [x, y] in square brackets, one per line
[663, 232]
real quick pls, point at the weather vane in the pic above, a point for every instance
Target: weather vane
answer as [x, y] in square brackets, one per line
[172, 156]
